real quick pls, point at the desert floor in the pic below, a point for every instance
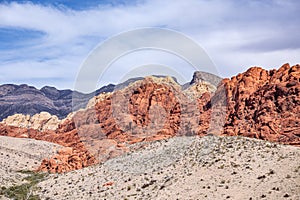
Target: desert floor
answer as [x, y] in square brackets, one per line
[211, 167]
[187, 168]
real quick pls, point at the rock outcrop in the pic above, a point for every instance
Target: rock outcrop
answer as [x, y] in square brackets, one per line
[41, 122]
[258, 103]
[265, 104]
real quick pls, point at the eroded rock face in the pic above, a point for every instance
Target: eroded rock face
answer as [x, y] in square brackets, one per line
[74, 156]
[258, 103]
[265, 104]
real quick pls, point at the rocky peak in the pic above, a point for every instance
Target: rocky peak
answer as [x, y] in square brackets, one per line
[6, 89]
[200, 76]
[51, 92]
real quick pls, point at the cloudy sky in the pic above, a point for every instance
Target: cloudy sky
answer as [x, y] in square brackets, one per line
[46, 42]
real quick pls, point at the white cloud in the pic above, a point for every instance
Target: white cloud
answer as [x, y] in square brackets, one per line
[235, 34]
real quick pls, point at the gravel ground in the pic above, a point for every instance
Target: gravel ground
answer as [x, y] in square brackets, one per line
[18, 154]
[211, 167]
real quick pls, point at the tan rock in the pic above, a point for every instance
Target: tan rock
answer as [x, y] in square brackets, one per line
[17, 120]
[92, 102]
[42, 121]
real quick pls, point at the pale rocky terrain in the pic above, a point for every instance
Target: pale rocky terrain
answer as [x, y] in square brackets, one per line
[211, 167]
[18, 154]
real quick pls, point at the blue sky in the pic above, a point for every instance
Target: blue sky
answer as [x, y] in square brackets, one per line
[76, 4]
[45, 42]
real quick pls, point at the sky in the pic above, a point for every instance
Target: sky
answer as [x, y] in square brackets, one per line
[46, 42]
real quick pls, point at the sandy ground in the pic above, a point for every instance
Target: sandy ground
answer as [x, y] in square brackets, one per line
[187, 168]
[21, 154]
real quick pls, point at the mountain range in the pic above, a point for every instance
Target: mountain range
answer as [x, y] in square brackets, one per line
[29, 100]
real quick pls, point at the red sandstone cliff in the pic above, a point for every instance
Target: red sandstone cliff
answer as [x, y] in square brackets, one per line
[265, 104]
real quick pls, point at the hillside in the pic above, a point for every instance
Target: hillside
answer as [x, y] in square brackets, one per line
[211, 167]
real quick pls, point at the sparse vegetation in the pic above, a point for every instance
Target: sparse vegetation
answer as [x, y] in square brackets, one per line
[167, 169]
[25, 190]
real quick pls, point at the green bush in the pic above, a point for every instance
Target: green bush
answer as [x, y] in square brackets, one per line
[24, 191]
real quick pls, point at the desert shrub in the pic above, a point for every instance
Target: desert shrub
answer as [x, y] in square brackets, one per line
[24, 191]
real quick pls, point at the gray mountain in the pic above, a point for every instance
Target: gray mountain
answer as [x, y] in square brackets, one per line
[30, 100]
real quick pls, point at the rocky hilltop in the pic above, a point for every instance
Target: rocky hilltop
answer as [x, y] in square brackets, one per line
[257, 103]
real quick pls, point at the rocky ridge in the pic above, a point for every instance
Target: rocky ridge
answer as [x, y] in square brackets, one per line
[258, 103]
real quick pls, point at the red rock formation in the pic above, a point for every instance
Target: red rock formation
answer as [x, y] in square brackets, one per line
[258, 103]
[265, 104]
[105, 137]
[139, 102]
